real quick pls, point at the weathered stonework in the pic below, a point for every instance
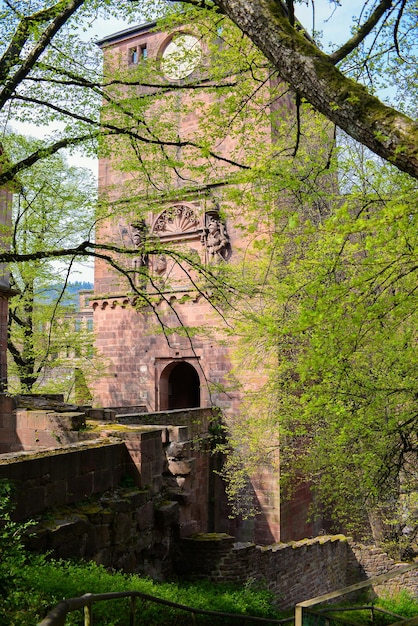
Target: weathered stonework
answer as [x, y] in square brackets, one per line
[143, 367]
[126, 528]
[293, 572]
[143, 498]
[168, 468]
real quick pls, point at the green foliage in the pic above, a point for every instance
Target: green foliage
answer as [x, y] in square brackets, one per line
[52, 207]
[43, 584]
[336, 331]
[13, 557]
[402, 604]
[12, 554]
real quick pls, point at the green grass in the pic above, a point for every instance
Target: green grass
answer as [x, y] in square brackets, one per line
[30, 585]
[403, 605]
[41, 584]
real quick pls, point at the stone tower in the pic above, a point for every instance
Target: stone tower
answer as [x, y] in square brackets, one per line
[169, 218]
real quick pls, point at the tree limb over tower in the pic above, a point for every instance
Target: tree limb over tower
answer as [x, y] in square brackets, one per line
[314, 76]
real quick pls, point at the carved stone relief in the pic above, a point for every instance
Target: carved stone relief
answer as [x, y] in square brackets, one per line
[138, 236]
[176, 220]
[215, 239]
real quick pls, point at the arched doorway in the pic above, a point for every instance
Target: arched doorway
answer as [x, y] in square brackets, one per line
[179, 387]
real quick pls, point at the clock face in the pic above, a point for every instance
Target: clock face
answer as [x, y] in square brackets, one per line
[181, 57]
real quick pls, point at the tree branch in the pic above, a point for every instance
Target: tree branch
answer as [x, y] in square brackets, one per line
[62, 11]
[387, 132]
[361, 34]
[11, 173]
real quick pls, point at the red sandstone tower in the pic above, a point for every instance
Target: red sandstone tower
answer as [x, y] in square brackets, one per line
[157, 327]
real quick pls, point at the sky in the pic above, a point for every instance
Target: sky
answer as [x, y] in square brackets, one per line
[333, 20]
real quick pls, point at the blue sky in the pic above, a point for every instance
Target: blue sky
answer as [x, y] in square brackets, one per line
[334, 21]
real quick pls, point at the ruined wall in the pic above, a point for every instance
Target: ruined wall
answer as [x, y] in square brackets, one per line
[293, 572]
[50, 478]
[138, 498]
[145, 485]
[369, 561]
[126, 528]
[9, 439]
[46, 422]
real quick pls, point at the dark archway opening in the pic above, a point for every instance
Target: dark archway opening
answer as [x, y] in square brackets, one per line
[183, 387]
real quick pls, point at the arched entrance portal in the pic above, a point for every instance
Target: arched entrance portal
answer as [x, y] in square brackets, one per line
[179, 387]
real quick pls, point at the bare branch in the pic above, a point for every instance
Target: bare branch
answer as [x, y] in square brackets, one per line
[361, 34]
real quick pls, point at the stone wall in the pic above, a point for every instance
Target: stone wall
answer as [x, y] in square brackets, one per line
[370, 561]
[128, 529]
[47, 479]
[169, 485]
[293, 572]
[160, 459]
[138, 500]
[9, 439]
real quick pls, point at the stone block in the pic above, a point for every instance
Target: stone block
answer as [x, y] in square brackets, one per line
[115, 502]
[96, 414]
[31, 503]
[80, 487]
[56, 493]
[188, 529]
[178, 433]
[167, 515]
[145, 516]
[102, 480]
[63, 465]
[66, 531]
[104, 556]
[136, 498]
[180, 468]
[122, 528]
[144, 540]
[157, 484]
[177, 450]
[183, 497]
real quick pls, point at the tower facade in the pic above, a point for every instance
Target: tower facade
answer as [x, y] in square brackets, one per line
[174, 200]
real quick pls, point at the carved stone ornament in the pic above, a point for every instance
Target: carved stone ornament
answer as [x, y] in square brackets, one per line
[176, 220]
[215, 238]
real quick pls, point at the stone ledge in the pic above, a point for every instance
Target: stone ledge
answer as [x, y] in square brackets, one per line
[24, 455]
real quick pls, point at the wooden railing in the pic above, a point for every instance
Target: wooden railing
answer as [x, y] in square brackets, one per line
[303, 609]
[57, 616]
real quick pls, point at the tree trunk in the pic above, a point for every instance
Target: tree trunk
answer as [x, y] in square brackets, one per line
[313, 75]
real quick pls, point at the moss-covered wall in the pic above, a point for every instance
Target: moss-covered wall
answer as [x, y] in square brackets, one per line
[50, 478]
[294, 572]
[126, 528]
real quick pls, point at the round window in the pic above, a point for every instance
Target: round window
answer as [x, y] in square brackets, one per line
[181, 57]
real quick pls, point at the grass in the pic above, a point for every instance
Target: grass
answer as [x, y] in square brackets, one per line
[30, 585]
[40, 584]
[402, 605]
